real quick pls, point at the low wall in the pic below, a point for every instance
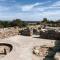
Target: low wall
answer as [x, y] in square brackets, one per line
[27, 32]
[7, 32]
[50, 34]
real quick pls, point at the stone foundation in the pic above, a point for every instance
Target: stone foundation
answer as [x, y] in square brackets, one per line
[50, 34]
[27, 32]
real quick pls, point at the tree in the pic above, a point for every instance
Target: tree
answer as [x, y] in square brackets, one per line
[5, 23]
[18, 22]
[45, 20]
[1, 25]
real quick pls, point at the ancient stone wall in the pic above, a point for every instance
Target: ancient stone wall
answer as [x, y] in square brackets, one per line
[27, 32]
[50, 34]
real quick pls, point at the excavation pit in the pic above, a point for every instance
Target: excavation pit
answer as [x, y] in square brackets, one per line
[5, 48]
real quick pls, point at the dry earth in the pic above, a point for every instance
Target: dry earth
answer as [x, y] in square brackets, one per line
[22, 47]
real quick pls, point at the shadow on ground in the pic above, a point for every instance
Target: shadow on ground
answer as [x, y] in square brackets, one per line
[52, 51]
[43, 38]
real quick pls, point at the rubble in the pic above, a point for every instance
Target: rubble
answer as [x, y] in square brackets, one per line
[27, 32]
[42, 51]
[47, 52]
[7, 32]
[50, 34]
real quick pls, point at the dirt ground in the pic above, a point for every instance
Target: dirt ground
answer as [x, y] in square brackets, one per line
[23, 45]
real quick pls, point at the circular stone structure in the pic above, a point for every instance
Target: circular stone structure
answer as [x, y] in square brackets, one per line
[5, 48]
[42, 50]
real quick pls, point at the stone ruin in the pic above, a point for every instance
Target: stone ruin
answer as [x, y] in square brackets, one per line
[40, 51]
[7, 32]
[5, 48]
[49, 52]
[50, 34]
[27, 32]
[36, 31]
[46, 52]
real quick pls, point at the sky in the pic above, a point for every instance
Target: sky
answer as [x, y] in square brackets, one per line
[29, 10]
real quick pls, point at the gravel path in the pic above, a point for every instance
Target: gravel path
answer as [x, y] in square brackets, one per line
[22, 47]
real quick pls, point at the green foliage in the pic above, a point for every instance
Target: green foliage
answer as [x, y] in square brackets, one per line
[45, 20]
[51, 22]
[17, 22]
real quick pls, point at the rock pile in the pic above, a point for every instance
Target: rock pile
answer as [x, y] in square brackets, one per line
[41, 51]
[36, 31]
[47, 52]
[44, 51]
[27, 32]
[6, 32]
[50, 34]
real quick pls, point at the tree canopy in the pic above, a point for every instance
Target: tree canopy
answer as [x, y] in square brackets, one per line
[51, 22]
[16, 22]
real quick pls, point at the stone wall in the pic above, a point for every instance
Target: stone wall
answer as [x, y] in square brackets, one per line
[27, 32]
[50, 34]
[7, 32]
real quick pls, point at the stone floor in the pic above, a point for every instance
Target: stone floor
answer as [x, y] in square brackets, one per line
[23, 45]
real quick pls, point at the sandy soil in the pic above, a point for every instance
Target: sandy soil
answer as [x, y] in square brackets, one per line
[22, 47]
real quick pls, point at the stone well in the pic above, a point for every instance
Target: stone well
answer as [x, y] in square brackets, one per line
[5, 48]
